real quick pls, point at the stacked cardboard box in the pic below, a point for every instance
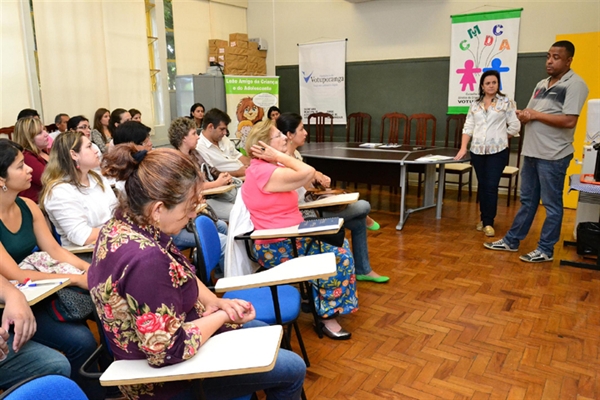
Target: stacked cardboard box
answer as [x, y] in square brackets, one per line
[216, 51]
[239, 56]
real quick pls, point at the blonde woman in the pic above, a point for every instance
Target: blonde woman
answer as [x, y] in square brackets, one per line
[77, 199]
[31, 134]
[269, 193]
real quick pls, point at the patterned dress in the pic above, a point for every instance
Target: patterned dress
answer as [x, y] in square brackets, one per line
[146, 296]
[334, 296]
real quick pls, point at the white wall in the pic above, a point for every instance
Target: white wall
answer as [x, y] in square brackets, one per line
[92, 54]
[197, 21]
[14, 83]
[399, 29]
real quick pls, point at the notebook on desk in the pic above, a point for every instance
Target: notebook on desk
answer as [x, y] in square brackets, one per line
[320, 224]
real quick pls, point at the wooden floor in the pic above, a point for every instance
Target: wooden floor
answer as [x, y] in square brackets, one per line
[457, 321]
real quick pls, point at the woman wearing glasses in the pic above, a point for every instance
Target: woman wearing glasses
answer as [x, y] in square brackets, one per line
[269, 193]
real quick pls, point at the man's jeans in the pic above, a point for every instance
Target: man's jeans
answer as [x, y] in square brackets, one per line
[543, 179]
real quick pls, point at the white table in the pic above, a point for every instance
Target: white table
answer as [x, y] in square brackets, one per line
[237, 352]
[44, 288]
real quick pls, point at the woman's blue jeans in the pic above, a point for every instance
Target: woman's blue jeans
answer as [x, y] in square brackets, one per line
[283, 382]
[355, 219]
[488, 168]
[540, 179]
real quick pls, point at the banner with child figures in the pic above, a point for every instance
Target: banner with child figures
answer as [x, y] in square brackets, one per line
[480, 42]
[248, 100]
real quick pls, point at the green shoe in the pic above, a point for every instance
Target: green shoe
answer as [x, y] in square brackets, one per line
[374, 227]
[376, 279]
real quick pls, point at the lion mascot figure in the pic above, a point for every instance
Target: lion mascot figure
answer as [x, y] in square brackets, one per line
[247, 114]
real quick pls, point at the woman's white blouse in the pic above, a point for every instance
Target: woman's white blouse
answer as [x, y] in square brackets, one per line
[74, 212]
[490, 129]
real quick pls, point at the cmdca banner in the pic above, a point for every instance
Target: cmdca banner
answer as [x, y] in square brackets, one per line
[480, 42]
[323, 79]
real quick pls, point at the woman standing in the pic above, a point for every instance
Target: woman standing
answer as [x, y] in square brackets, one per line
[197, 115]
[31, 134]
[77, 199]
[491, 121]
[151, 304]
[355, 215]
[269, 193]
[101, 135]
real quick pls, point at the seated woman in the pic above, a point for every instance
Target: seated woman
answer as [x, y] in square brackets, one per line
[31, 134]
[136, 115]
[355, 215]
[79, 123]
[197, 111]
[270, 196]
[150, 302]
[184, 137]
[22, 228]
[273, 113]
[77, 199]
[100, 135]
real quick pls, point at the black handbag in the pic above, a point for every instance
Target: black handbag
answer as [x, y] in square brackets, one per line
[71, 304]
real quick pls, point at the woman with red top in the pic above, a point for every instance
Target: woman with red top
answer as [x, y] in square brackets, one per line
[269, 193]
[31, 134]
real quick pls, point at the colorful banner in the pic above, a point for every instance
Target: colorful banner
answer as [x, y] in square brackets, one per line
[480, 42]
[248, 100]
[323, 79]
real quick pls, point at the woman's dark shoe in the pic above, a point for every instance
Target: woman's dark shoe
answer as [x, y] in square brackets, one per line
[342, 334]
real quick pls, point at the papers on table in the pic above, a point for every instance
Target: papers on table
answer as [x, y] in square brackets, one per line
[38, 290]
[434, 158]
[390, 146]
[320, 224]
[370, 145]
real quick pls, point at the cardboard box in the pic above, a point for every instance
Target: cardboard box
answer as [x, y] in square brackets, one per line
[238, 36]
[262, 53]
[236, 50]
[239, 43]
[217, 43]
[253, 45]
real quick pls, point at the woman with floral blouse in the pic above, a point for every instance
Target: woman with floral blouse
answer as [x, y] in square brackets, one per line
[147, 295]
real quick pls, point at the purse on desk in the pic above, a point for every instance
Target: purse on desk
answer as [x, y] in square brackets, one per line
[70, 304]
[318, 192]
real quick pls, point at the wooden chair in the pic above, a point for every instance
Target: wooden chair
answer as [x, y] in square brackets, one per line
[360, 121]
[454, 125]
[394, 121]
[425, 126]
[7, 131]
[320, 122]
[511, 172]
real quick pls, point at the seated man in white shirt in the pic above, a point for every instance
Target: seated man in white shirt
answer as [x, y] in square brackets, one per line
[61, 125]
[216, 149]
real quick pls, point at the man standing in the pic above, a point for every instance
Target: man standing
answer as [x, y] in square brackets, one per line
[216, 149]
[550, 119]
